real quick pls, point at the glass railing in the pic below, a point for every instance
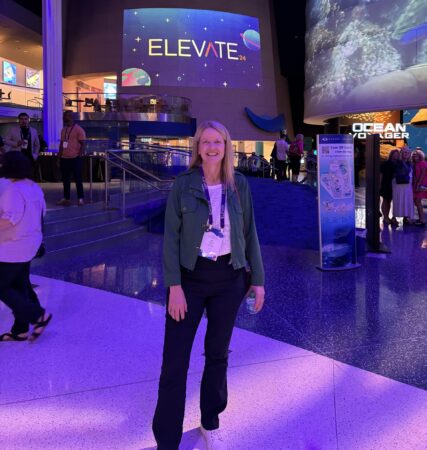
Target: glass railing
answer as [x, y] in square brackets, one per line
[20, 95]
[129, 102]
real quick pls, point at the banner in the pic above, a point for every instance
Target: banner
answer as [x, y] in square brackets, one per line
[337, 221]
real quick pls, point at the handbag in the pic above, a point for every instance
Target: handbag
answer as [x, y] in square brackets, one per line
[41, 251]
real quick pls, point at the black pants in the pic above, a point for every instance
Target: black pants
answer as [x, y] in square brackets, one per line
[216, 286]
[16, 292]
[281, 167]
[72, 166]
[295, 164]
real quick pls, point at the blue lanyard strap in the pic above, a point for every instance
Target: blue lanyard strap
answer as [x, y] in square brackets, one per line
[223, 197]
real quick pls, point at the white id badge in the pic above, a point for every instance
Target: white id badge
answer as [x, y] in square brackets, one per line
[65, 144]
[211, 245]
[24, 145]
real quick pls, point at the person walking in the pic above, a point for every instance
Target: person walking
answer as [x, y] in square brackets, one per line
[296, 152]
[403, 197]
[22, 206]
[419, 184]
[209, 233]
[71, 151]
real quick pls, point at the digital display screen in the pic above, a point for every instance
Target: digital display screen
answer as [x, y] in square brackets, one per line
[32, 78]
[9, 72]
[110, 90]
[190, 47]
[365, 56]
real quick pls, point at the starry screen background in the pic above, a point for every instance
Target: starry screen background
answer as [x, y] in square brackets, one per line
[140, 69]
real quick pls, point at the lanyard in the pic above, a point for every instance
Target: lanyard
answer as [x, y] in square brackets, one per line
[223, 196]
[69, 133]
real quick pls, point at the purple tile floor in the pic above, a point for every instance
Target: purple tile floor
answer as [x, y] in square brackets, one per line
[91, 381]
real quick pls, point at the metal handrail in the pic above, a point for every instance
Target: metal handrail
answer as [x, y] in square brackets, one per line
[130, 163]
[126, 170]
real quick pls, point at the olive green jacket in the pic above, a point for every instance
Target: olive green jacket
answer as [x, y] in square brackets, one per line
[185, 221]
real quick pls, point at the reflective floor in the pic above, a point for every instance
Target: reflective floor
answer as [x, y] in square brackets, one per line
[90, 382]
[374, 317]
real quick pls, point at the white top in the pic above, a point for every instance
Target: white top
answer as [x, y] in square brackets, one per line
[22, 204]
[215, 196]
[282, 149]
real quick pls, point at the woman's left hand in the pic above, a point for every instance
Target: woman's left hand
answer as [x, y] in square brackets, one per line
[259, 297]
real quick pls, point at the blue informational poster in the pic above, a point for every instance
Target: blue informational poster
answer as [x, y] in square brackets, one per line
[337, 221]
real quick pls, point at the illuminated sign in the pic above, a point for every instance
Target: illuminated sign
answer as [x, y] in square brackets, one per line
[9, 72]
[190, 47]
[32, 78]
[386, 131]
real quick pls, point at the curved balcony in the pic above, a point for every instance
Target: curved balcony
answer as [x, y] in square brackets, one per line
[129, 107]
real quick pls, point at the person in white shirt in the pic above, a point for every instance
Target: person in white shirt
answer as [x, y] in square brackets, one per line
[22, 206]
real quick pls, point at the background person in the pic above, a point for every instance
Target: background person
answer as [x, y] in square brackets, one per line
[209, 232]
[23, 138]
[296, 151]
[21, 208]
[419, 184]
[71, 150]
[403, 198]
[280, 152]
[387, 171]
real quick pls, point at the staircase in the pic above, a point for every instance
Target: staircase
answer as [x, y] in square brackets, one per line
[92, 227]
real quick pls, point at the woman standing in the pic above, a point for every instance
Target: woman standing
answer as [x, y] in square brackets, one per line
[387, 171]
[209, 233]
[21, 207]
[419, 184]
[403, 198]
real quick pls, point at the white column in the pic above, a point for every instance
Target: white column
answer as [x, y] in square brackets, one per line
[52, 72]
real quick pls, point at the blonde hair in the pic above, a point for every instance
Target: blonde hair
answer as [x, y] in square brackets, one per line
[227, 163]
[420, 153]
[405, 151]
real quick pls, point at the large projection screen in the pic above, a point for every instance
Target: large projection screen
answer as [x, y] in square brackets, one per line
[364, 55]
[190, 48]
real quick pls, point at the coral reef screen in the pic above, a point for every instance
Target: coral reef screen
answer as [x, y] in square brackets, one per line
[365, 55]
[190, 47]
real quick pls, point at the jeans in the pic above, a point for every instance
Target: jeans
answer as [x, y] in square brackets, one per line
[16, 292]
[216, 286]
[72, 166]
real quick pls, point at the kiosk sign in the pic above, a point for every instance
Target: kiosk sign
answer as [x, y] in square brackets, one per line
[335, 172]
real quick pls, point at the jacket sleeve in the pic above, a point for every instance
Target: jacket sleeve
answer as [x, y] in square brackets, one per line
[253, 251]
[36, 144]
[171, 240]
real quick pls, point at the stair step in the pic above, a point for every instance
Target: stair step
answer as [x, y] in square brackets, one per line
[77, 223]
[66, 213]
[53, 257]
[81, 237]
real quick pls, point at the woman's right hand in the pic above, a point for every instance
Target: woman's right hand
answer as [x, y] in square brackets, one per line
[177, 306]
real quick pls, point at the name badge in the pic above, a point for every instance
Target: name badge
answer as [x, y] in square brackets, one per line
[65, 144]
[211, 244]
[24, 145]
